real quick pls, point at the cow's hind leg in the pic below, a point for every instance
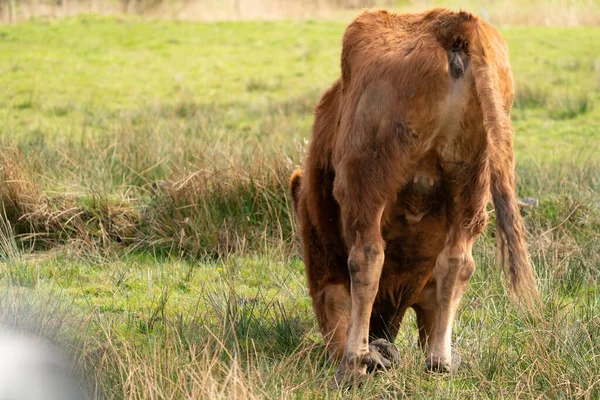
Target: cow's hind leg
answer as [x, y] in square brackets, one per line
[362, 200]
[454, 265]
[373, 159]
[428, 313]
[452, 273]
[365, 261]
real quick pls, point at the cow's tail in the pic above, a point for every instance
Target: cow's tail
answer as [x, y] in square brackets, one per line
[496, 120]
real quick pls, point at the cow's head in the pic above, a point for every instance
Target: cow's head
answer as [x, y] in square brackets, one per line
[295, 181]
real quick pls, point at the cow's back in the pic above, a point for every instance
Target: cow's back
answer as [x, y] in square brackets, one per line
[396, 68]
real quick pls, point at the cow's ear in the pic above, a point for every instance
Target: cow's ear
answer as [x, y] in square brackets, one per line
[295, 182]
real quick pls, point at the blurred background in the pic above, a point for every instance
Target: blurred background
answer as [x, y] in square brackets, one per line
[505, 12]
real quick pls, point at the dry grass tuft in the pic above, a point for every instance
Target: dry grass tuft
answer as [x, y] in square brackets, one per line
[42, 220]
[216, 211]
[196, 212]
[19, 196]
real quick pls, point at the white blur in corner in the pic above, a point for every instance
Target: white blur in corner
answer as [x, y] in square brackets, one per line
[32, 369]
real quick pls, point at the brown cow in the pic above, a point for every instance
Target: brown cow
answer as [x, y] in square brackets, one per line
[407, 147]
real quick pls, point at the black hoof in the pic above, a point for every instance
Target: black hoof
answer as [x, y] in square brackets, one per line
[388, 351]
[352, 370]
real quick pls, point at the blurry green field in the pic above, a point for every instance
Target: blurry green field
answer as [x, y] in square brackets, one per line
[197, 290]
[65, 79]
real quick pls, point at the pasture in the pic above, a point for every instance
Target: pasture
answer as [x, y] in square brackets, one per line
[146, 226]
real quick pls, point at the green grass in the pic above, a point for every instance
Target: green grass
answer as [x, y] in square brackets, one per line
[81, 78]
[147, 229]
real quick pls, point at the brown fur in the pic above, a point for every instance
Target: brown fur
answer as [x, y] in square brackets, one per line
[407, 147]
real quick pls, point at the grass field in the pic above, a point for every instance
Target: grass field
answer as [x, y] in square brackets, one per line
[146, 224]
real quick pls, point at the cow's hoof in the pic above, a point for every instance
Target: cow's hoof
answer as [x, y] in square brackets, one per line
[349, 375]
[435, 364]
[387, 350]
[353, 369]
